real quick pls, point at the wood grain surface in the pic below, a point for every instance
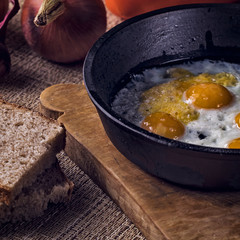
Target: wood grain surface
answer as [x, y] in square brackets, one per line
[159, 209]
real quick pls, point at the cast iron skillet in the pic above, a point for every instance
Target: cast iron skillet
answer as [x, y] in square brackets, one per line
[161, 37]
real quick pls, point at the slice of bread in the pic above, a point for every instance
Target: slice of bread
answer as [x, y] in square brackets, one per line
[51, 186]
[28, 146]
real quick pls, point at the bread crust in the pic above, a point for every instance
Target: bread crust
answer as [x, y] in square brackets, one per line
[4, 195]
[54, 146]
[14, 105]
[51, 186]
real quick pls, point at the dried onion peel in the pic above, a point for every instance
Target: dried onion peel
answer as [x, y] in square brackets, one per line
[5, 59]
[63, 30]
[3, 8]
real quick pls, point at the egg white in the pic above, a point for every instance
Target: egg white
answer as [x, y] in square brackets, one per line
[214, 128]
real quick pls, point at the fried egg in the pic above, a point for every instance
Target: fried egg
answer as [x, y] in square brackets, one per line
[197, 103]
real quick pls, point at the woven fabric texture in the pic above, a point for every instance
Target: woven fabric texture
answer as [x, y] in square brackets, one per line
[91, 214]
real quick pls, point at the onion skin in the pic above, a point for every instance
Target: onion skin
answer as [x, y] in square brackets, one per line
[69, 37]
[130, 8]
[3, 8]
[5, 60]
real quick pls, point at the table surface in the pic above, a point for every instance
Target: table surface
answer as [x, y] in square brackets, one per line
[91, 214]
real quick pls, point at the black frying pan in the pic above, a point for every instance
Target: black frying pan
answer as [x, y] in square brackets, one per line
[161, 37]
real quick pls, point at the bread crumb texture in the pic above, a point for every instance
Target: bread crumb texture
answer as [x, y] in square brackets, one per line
[51, 186]
[26, 136]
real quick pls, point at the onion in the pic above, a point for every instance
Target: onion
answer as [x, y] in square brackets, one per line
[5, 60]
[3, 8]
[63, 30]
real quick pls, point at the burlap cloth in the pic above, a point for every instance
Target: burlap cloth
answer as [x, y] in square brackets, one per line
[91, 214]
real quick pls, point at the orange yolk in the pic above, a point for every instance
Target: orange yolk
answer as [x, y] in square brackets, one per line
[208, 95]
[235, 143]
[164, 125]
[237, 119]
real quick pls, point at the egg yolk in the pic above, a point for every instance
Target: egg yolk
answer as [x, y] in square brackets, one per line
[168, 96]
[234, 144]
[208, 95]
[237, 119]
[164, 125]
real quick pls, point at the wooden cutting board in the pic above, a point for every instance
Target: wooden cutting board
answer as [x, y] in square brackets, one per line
[160, 210]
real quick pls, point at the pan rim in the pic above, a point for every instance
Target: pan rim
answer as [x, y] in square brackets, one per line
[125, 124]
